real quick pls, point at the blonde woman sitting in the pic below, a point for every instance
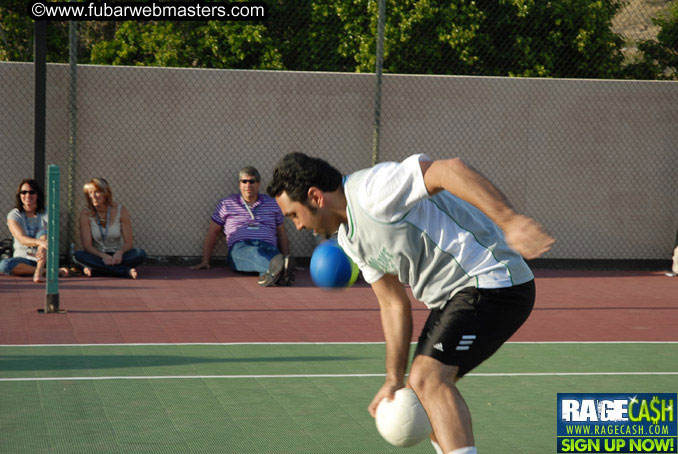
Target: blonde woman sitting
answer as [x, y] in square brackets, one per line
[106, 235]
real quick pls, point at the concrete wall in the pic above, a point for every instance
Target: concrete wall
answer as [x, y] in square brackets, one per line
[595, 161]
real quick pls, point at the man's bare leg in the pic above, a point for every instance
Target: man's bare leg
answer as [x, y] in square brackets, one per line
[434, 384]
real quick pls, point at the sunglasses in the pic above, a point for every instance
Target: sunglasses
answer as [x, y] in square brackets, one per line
[31, 192]
[252, 181]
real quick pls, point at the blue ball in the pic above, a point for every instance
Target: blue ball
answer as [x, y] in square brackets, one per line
[330, 266]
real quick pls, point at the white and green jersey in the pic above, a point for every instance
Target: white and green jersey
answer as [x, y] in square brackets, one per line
[437, 244]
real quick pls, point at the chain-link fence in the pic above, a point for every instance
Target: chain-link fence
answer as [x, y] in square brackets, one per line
[594, 160]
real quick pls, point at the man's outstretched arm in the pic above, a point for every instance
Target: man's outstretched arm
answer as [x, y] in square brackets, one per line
[523, 234]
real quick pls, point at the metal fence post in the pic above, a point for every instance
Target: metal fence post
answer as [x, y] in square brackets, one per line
[378, 70]
[72, 133]
[40, 64]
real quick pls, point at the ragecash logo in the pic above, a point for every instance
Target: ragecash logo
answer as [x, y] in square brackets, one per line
[620, 423]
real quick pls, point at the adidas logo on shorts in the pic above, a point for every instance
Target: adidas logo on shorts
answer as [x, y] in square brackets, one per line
[438, 346]
[465, 342]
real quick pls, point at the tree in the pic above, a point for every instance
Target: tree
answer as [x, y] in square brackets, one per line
[559, 38]
[16, 35]
[555, 38]
[658, 58]
[298, 35]
[187, 44]
[563, 38]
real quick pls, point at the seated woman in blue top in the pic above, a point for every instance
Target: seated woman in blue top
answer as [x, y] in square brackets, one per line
[106, 235]
[27, 223]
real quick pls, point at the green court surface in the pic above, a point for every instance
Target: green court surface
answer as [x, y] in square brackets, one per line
[288, 398]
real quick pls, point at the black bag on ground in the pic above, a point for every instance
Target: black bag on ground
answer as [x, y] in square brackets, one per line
[6, 249]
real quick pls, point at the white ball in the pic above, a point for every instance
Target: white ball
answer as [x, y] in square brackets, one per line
[402, 421]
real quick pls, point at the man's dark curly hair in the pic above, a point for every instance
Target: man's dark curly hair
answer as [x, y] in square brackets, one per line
[296, 172]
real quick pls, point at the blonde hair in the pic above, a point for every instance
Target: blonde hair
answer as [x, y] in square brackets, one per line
[98, 184]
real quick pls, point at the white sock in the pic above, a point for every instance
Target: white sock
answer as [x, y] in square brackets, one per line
[436, 446]
[466, 450]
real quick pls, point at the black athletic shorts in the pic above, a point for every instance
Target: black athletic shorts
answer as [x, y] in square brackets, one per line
[474, 324]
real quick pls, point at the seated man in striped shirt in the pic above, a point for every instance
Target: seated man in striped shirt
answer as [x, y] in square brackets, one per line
[255, 234]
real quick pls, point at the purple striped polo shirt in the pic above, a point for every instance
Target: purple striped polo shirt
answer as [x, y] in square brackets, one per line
[238, 225]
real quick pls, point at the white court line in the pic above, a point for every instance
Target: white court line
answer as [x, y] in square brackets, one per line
[202, 377]
[310, 343]
[168, 344]
[185, 377]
